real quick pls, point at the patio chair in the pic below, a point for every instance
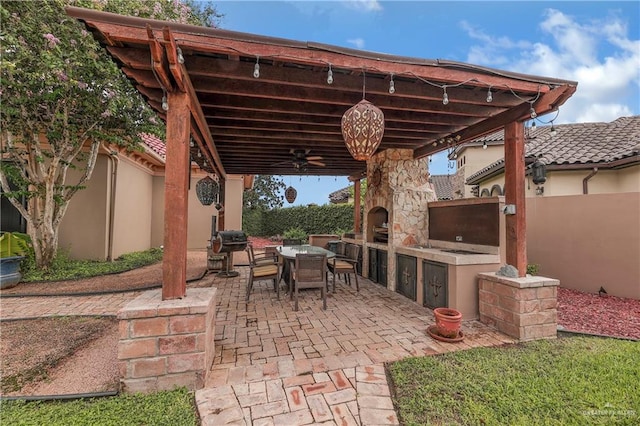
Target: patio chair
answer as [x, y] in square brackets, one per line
[266, 270]
[291, 241]
[269, 257]
[341, 249]
[346, 265]
[310, 271]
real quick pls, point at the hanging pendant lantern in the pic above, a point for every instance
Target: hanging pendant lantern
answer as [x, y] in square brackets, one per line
[207, 190]
[362, 129]
[290, 194]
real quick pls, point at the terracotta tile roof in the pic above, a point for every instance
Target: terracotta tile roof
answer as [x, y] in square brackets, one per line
[443, 185]
[588, 144]
[156, 144]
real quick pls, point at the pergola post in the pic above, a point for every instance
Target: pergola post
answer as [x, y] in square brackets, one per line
[176, 197]
[516, 224]
[356, 206]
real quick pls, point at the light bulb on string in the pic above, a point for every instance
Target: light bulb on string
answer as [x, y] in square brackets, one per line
[489, 96]
[553, 130]
[256, 68]
[165, 104]
[330, 75]
[392, 86]
[533, 112]
[180, 56]
[445, 97]
[484, 145]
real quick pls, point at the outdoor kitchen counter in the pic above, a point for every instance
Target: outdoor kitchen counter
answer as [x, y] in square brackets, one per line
[438, 255]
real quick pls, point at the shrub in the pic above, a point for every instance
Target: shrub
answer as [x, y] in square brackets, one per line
[297, 233]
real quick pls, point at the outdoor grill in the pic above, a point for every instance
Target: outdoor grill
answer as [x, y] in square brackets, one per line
[229, 242]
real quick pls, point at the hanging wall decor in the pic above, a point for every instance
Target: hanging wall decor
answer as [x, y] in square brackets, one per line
[290, 194]
[362, 129]
[207, 190]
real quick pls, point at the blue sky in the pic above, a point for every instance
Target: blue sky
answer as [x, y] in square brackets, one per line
[596, 44]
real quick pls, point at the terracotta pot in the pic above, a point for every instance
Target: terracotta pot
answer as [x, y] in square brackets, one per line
[448, 322]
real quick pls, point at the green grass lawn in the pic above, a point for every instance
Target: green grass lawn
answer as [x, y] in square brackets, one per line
[176, 408]
[568, 381]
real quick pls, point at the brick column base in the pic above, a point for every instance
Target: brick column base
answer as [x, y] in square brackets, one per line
[524, 308]
[166, 344]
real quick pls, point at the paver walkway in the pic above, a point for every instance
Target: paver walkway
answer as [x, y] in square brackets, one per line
[276, 366]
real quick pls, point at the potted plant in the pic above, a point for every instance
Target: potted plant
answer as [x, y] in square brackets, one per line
[448, 322]
[14, 246]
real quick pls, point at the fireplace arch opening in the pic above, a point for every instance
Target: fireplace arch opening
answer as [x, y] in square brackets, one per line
[378, 225]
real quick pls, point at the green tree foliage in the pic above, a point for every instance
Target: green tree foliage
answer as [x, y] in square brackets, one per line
[265, 194]
[363, 191]
[62, 97]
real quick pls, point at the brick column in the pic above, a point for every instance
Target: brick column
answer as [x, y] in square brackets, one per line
[524, 308]
[166, 344]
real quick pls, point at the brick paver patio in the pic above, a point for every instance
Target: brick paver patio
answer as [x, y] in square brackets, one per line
[276, 366]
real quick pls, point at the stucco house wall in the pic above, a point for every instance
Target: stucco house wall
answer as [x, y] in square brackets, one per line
[83, 233]
[132, 209]
[587, 241]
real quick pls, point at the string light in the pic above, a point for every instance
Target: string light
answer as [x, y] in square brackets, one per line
[445, 97]
[256, 68]
[553, 130]
[484, 145]
[165, 104]
[180, 57]
[533, 112]
[330, 76]
[392, 86]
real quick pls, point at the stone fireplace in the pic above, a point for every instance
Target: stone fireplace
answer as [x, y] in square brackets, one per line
[396, 205]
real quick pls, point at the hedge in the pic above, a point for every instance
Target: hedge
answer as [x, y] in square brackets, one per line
[325, 219]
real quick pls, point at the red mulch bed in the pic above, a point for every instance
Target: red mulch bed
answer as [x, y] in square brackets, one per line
[592, 313]
[259, 242]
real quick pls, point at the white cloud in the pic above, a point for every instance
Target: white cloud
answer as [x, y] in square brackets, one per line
[598, 54]
[357, 42]
[364, 5]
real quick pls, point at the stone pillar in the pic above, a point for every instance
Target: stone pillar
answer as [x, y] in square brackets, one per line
[524, 308]
[166, 344]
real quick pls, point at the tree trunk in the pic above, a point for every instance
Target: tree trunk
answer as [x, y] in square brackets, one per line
[45, 245]
[49, 191]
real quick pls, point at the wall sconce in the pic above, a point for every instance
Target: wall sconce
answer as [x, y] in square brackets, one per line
[539, 172]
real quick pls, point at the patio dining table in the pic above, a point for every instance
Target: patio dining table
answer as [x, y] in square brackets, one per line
[288, 253]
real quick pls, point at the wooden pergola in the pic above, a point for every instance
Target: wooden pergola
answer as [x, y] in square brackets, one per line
[239, 103]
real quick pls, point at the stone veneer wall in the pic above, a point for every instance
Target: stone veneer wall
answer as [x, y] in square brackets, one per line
[404, 192]
[524, 308]
[166, 344]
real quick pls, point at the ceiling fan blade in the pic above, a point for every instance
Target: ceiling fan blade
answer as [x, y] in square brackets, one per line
[314, 158]
[316, 163]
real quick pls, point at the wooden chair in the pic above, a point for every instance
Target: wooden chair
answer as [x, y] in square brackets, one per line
[310, 271]
[345, 265]
[291, 241]
[266, 270]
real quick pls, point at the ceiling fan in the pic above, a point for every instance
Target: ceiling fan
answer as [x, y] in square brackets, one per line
[301, 159]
